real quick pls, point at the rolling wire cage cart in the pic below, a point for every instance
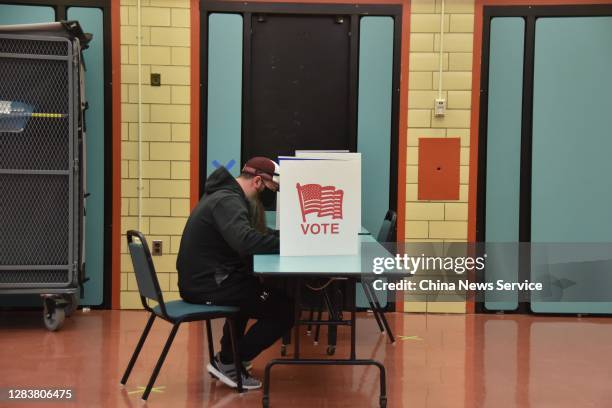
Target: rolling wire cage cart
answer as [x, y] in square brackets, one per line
[42, 136]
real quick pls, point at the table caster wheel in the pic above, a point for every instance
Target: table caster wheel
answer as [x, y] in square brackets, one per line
[283, 350]
[331, 350]
[383, 402]
[265, 402]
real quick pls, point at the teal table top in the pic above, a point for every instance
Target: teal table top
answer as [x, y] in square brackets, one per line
[335, 265]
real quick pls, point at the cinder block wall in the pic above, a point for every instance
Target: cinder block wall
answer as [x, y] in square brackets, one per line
[165, 132]
[165, 135]
[438, 220]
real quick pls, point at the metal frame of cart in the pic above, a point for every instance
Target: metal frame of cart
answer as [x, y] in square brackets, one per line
[23, 269]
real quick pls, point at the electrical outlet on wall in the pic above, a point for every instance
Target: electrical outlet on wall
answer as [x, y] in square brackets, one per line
[157, 249]
[155, 79]
[440, 107]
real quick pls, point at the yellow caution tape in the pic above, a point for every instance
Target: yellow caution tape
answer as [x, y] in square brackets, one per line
[48, 115]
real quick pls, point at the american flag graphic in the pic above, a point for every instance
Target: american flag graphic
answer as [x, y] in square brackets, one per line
[321, 200]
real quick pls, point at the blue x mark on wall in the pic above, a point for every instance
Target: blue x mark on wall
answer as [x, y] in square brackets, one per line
[228, 166]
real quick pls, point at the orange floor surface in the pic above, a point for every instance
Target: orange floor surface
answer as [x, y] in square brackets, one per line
[438, 361]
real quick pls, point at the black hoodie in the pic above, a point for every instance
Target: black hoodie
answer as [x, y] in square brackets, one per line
[215, 256]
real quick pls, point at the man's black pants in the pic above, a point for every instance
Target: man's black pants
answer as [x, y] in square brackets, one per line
[274, 313]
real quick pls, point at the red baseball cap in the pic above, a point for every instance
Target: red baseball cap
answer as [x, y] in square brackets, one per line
[266, 168]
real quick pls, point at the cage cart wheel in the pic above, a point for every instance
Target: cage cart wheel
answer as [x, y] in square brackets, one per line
[331, 350]
[383, 402]
[72, 304]
[53, 315]
[283, 350]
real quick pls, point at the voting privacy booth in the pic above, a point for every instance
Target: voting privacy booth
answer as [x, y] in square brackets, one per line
[319, 204]
[319, 210]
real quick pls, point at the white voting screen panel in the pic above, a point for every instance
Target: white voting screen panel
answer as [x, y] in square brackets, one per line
[306, 153]
[310, 154]
[327, 154]
[320, 206]
[335, 155]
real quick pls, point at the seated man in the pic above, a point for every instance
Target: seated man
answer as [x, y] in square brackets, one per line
[215, 265]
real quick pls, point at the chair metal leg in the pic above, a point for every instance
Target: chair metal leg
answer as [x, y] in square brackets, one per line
[143, 337]
[285, 343]
[381, 313]
[332, 331]
[318, 326]
[160, 361]
[237, 359]
[211, 346]
[209, 338]
[310, 317]
[385, 323]
[286, 339]
[368, 293]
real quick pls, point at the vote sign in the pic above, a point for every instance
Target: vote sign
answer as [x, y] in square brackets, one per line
[320, 210]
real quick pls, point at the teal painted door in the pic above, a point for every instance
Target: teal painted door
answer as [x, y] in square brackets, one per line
[224, 102]
[14, 14]
[566, 187]
[505, 92]
[374, 125]
[571, 189]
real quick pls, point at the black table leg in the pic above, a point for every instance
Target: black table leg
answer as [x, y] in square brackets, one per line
[311, 317]
[353, 296]
[338, 362]
[332, 331]
[298, 315]
[272, 363]
[319, 318]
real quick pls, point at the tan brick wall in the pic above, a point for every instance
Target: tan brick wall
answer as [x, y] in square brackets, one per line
[438, 220]
[165, 135]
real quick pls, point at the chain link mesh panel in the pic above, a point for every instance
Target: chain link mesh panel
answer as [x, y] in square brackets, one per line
[35, 226]
[44, 142]
[34, 276]
[34, 47]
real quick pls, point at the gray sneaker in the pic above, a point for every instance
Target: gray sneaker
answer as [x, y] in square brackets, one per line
[226, 373]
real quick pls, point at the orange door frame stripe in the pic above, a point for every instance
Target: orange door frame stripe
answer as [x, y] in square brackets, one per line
[403, 106]
[116, 233]
[194, 155]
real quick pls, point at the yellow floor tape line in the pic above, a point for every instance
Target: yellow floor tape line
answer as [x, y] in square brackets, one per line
[404, 338]
[154, 389]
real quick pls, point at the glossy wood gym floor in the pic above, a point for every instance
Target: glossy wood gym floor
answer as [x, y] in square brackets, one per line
[439, 361]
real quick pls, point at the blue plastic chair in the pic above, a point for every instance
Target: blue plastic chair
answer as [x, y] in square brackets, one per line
[174, 312]
[388, 229]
